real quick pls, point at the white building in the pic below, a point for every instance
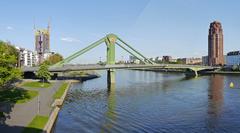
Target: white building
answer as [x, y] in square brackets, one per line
[27, 57]
[173, 60]
[205, 60]
[158, 59]
[134, 60]
[47, 55]
[233, 58]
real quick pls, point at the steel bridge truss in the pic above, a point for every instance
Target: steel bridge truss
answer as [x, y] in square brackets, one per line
[110, 40]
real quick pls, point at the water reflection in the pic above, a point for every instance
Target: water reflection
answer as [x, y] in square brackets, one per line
[110, 113]
[163, 103]
[215, 99]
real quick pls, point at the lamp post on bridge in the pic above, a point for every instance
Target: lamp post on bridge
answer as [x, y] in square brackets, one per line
[100, 60]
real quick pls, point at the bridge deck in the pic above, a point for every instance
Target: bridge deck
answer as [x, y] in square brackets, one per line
[121, 66]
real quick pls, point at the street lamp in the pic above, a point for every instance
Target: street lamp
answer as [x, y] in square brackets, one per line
[38, 102]
[43, 83]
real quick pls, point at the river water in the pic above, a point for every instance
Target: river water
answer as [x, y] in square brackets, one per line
[144, 101]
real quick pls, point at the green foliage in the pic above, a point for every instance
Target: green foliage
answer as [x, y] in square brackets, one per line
[10, 50]
[43, 72]
[235, 68]
[60, 91]
[179, 61]
[53, 59]
[17, 95]
[77, 74]
[36, 84]
[8, 61]
[36, 125]
[2, 114]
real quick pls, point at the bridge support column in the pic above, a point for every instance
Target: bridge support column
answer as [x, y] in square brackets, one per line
[110, 42]
[196, 74]
[110, 77]
[192, 73]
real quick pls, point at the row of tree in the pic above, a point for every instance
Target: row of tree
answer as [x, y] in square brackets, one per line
[43, 72]
[53, 59]
[8, 60]
[9, 72]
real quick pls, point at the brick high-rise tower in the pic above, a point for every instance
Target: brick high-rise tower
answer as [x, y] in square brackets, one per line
[215, 44]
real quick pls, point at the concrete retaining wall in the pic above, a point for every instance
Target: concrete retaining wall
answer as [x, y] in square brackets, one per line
[57, 104]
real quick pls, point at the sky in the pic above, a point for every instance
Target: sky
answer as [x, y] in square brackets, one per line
[154, 27]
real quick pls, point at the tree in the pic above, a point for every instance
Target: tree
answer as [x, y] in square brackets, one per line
[234, 67]
[53, 59]
[43, 72]
[12, 50]
[8, 60]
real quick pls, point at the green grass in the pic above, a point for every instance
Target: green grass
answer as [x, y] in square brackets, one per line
[78, 73]
[36, 84]
[17, 95]
[60, 91]
[36, 125]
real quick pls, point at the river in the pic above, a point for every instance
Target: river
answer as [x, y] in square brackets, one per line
[144, 101]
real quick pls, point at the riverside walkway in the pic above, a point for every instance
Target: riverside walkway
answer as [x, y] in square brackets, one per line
[22, 114]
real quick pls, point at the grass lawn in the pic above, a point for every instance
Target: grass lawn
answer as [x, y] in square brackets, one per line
[36, 84]
[78, 73]
[17, 95]
[60, 91]
[36, 125]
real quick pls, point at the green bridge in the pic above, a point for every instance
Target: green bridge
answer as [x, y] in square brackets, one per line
[111, 40]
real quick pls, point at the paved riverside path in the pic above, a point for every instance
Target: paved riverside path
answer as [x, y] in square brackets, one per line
[22, 114]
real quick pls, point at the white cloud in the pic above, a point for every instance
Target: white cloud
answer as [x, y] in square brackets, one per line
[9, 28]
[69, 39]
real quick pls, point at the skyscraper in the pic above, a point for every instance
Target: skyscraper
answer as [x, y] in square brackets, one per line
[215, 44]
[42, 43]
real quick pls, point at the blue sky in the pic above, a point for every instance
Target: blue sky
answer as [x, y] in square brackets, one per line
[154, 27]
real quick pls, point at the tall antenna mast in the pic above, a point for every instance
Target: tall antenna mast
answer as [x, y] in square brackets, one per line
[49, 24]
[34, 24]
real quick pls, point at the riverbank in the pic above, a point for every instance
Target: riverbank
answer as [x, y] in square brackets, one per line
[37, 113]
[79, 75]
[58, 102]
[159, 70]
[60, 96]
[21, 117]
[223, 72]
[182, 71]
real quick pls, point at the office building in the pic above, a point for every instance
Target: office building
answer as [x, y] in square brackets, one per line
[233, 58]
[215, 44]
[166, 58]
[134, 60]
[205, 60]
[190, 61]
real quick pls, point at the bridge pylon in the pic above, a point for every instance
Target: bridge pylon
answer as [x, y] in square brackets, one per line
[110, 41]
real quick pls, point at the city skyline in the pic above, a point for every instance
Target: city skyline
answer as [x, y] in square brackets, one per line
[151, 26]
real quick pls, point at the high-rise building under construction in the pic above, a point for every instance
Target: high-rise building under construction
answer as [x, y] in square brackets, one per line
[42, 43]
